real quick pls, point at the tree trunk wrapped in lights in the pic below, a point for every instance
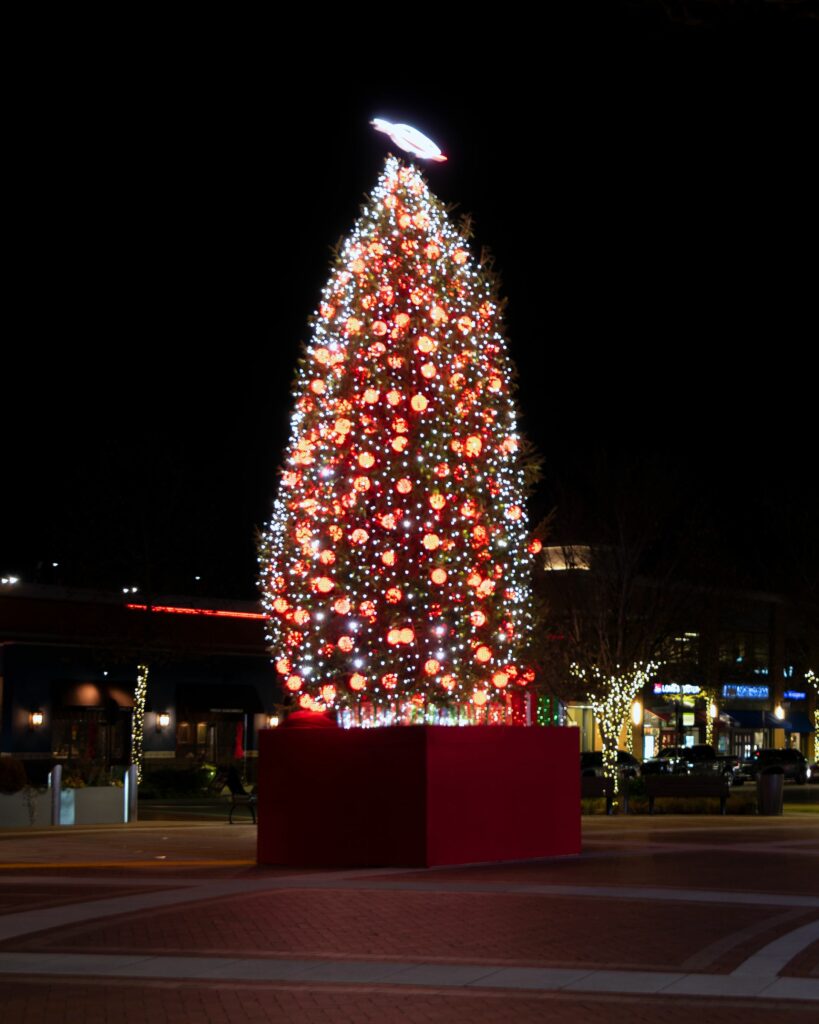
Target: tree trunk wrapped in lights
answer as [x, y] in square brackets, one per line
[395, 570]
[611, 696]
[138, 719]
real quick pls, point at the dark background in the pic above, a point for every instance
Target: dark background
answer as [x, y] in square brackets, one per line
[647, 190]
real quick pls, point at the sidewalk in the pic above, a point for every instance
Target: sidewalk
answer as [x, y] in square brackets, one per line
[668, 918]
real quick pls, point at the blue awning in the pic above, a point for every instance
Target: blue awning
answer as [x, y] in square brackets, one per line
[798, 721]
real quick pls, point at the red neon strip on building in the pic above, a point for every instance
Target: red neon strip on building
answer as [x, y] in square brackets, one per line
[167, 609]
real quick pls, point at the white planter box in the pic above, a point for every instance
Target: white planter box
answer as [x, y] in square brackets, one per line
[93, 805]
[15, 810]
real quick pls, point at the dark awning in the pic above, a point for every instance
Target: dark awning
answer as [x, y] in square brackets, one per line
[237, 698]
[746, 719]
[798, 721]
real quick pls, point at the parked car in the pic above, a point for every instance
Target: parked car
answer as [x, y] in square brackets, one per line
[591, 763]
[699, 759]
[793, 763]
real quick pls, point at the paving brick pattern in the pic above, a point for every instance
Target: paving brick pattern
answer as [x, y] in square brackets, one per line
[60, 1002]
[451, 927]
[389, 917]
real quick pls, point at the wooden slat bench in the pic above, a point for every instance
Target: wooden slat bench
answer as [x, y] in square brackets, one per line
[593, 786]
[687, 786]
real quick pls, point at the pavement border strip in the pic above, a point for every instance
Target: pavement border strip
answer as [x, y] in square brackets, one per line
[16, 925]
[409, 974]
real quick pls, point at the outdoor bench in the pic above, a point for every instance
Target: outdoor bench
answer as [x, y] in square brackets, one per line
[687, 786]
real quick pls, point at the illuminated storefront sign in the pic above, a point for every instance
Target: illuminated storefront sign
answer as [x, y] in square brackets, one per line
[677, 689]
[745, 691]
[794, 695]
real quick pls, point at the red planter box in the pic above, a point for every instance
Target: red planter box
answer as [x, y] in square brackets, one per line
[417, 796]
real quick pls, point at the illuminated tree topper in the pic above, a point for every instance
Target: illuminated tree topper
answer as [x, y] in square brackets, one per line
[409, 139]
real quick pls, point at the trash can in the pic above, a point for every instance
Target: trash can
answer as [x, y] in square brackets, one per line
[770, 786]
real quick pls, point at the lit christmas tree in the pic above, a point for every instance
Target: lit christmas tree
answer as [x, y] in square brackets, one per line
[395, 570]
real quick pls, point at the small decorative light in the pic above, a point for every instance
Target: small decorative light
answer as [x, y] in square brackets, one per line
[35, 719]
[163, 720]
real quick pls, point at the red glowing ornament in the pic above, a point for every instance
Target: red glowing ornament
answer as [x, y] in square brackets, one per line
[428, 370]
[280, 605]
[361, 483]
[469, 509]
[345, 644]
[478, 618]
[432, 251]
[389, 681]
[457, 381]
[407, 635]
[535, 547]
[318, 387]
[353, 325]
[328, 693]
[293, 683]
[335, 532]
[342, 606]
[357, 681]
[495, 384]
[438, 576]
[366, 460]
[402, 320]
[388, 521]
[514, 512]
[432, 666]
[394, 397]
[398, 444]
[442, 470]
[404, 486]
[388, 558]
[343, 426]
[437, 501]
[359, 536]
[400, 426]
[394, 637]
[323, 584]
[448, 682]
[500, 680]
[465, 324]
[393, 595]
[301, 617]
[379, 328]
[283, 666]
[438, 314]
[371, 396]
[480, 697]
[425, 344]
[419, 403]
[483, 654]
[472, 446]
[431, 541]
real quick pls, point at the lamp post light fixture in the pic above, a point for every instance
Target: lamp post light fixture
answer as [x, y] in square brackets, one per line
[273, 721]
[163, 720]
[779, 712]
[35, 719]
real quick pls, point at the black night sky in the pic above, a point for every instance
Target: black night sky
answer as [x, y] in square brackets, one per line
[651, 207]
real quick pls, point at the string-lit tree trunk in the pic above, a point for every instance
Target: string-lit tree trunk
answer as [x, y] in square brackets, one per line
[611, 698]
[138, 719]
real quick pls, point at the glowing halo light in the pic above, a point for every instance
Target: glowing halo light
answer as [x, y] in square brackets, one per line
[636, 713]
[409, 139]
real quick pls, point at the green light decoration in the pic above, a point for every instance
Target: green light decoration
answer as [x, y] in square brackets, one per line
[548, 710]
[611, 696]
[138, 720]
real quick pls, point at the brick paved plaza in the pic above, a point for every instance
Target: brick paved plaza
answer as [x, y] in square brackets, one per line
[671, 919]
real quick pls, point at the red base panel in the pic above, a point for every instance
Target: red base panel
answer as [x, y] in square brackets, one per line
[417, 796]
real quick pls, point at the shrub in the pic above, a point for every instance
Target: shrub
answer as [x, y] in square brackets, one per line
[12, 775]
